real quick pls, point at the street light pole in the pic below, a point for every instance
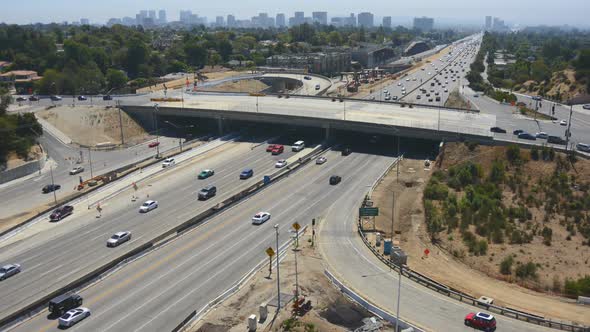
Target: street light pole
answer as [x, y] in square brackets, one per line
[53, 185]
[568, 132]
[278, 270]
[399, 289]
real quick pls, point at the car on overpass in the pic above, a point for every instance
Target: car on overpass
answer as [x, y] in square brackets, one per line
[33, 98]
[335, 179]
[205, 174]
[281, 163]
[481, 321]
[62, 303]
[168, 162]
[55, 98]
[19, 99]
[207, 192]
[583, 147]
[61, 212]
[541, 135]
[118, 238]
[50, 187]
[246, 174]
[9, 270]
[278, 149]
[260, 218]
[147, 206]
[76, 170]
[525, 135]
[73, 316]
[321, 160]
[153, 144]
[82, 98]
[270, 147]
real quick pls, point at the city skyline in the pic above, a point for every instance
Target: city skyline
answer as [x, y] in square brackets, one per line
[571, 12]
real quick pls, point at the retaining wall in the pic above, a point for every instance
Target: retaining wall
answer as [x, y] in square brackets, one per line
[23, 170]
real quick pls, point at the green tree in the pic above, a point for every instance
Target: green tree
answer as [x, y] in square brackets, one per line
[506, 265]
[116, 79]
[137, 55]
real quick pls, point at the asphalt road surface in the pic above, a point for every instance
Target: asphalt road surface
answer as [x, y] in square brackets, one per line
[66, 250]
[158, 291]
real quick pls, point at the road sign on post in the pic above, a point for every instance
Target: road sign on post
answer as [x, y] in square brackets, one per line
[270, 252]
[369, 212]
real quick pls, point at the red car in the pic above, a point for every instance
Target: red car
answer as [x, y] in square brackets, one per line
[278, 149]
[481, 321]
[61, 212]
[270, 147]
[153, 144]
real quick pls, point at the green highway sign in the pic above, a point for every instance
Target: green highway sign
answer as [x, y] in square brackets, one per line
[369, 212]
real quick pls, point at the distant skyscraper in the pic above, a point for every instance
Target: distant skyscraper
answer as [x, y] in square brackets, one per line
[84, 21]
[365, 19]
[299, 18]
[387, 21]
[320, 17]
[219, 21]
[162, 16]
[423, 23]
[488, 22]
[231, 21]
[152, 14]
[143, 13]
[351, 20]
[280, 20]
[185, 16]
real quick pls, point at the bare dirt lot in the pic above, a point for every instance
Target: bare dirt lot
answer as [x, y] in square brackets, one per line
[13, 160]
[88, 125]
[249, 86]
[331, 311]
[476, 275]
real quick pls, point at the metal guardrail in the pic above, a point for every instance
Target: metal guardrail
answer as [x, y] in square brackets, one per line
[157, 240]
[461, 296]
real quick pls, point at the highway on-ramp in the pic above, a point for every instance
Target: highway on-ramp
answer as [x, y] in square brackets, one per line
[54, 254]
[157, 291]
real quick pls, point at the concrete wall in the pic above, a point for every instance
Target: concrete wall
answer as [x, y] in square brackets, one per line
[23, 170]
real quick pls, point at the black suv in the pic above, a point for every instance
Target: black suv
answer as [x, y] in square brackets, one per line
[59, 305]
[50, 187]
[346, 151]
[555, 140]
[207, 192]
[335, 179]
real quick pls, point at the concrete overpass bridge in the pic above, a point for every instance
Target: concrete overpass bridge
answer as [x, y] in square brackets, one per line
[349, 115]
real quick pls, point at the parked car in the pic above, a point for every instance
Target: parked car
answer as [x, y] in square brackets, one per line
[481, 321]
[33, 98]
[278, 149]
[498, 130]
[518, 132]
[61, 212]
[19, 99]
[207, 192]
[50, 187]
[526, 135]
[583, 147]
[9, 270]
[320, 160]
[55, 98]
[335, 179]
[118, 238]
[153, 144]
[556, 140]
[260, 218]
[281, 163]
[82, 98]
[206, 173]
[147, 206]
[541, 135]
[62, 303]
[73, 316]
[76, 170]
[246, 174]
[168, 162]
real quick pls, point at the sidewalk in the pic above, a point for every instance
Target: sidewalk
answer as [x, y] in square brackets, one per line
[58, 134]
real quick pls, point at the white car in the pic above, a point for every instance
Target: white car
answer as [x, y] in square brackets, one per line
[168, 162]
[320, 160]
[281, 163]
[583, 147]
[76, 170]
[148, 206]
[260, 218]
[385, 91]
[407, 79]
[9, 270]
[73, 316]
[399, 83]
[119, 238]
[563, 123]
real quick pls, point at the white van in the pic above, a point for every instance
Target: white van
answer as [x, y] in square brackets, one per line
[298, 146]
[583, 147]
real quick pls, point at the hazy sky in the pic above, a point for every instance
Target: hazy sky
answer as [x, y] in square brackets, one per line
[573, 12]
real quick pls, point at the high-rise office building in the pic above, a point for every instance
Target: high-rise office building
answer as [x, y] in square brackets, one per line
[298, 19]
[320, 17]
[84, 21]
[280, 20]
[231, 21]
[162, 17]
[488, 22]
[152, 14]
[387, 21]
[423, 23]
[351, 20]
[365, 19]
[185, 16]
[219, 21]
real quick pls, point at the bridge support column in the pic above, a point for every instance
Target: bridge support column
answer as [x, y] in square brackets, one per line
[220, 126]
[327, 133]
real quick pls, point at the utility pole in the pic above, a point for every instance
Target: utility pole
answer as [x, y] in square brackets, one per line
[90, 161]
[53, 185]
[121, 123]
[568, 132]
[398, 160]
[278, 270]
[399, 291]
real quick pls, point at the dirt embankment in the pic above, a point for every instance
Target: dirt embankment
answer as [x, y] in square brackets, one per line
[249, 86]
[331, 311]
[479, 275]
[89, 126]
